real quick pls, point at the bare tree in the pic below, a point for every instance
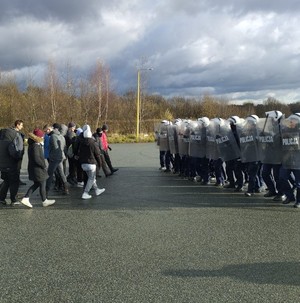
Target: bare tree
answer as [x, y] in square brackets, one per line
[52, 84]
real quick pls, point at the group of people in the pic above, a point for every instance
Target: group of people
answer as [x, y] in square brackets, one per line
[59, 156]
[248, 155]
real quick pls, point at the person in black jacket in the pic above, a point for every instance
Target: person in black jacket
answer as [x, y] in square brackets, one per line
[89, 157]
[11, 153]
[37, 169]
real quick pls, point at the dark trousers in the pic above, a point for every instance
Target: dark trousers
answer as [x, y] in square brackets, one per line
[204, 173]
[72, 169]
[219, 171]
[270, 174]
[253, 168]
[177, 164]
[165, 159]
[195, 166]
[11, 180]
[79, 172]
[107, 160]
[35, 186]
[286, 186]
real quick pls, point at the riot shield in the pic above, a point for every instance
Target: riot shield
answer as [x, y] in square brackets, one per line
[172, 138]
[156, 133]
[290, 134]
[269, 141]
[197, 139]
[163, 137]
[247, 133]
[227, 146]
[183, 138]
[211, 145]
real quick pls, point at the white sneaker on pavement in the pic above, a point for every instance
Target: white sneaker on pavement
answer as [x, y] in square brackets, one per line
[48, 202]
[86, 196]
[26, 202]
[80, 184]
[99, 191]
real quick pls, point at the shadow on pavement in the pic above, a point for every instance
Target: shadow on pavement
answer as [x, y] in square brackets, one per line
[275, 273]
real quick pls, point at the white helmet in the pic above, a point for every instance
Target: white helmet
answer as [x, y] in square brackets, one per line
[234, 120]
[252, 118]
[295, 116]
[205, 121]
[218, 121]
[275, 114]
[165, 122]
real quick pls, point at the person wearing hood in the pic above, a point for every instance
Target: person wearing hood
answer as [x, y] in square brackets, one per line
[89, 157]
[57, 147]
[37, 168]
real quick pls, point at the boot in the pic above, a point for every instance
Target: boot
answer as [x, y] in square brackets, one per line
[66, 189]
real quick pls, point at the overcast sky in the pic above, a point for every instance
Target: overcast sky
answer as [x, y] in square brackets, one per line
[236, 49]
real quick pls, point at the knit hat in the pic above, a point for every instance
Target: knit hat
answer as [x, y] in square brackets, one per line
[38, 132]
[87, 132]
[37, 136]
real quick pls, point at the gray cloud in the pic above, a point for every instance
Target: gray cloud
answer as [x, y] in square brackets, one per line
[239, 49]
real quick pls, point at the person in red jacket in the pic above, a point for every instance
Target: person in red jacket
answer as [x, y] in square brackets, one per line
[106, 147]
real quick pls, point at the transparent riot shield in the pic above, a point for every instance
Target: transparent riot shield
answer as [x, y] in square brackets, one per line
[227, 146]
[211, 145]
[172, 138]
[156, 133]
[163, 137]
[183, 138]
[247, 133]
[197, 140]
[269, 141]
[290, 134]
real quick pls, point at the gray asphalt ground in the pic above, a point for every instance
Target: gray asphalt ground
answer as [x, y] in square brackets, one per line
[151, 237]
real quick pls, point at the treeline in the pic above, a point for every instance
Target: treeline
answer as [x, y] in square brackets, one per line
[62, 98]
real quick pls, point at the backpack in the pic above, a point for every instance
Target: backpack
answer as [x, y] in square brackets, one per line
[13, 150]
[9, 152]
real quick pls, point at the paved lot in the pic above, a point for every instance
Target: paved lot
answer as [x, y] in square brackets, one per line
[151, 237]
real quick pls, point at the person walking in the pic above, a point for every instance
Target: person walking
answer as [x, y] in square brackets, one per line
[11, 153]
[106, 147]
[57, 155]
[89, 157]
[37, 168]
[97, 135]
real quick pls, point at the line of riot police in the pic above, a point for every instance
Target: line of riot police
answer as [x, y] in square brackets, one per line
[247, 155]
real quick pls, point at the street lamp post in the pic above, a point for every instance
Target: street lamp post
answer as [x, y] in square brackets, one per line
[138, 102]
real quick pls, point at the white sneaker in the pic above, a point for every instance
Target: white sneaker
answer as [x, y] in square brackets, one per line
[26, 202]
[99, 191]
[48, 202]
[80, 184]
[86, 196]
